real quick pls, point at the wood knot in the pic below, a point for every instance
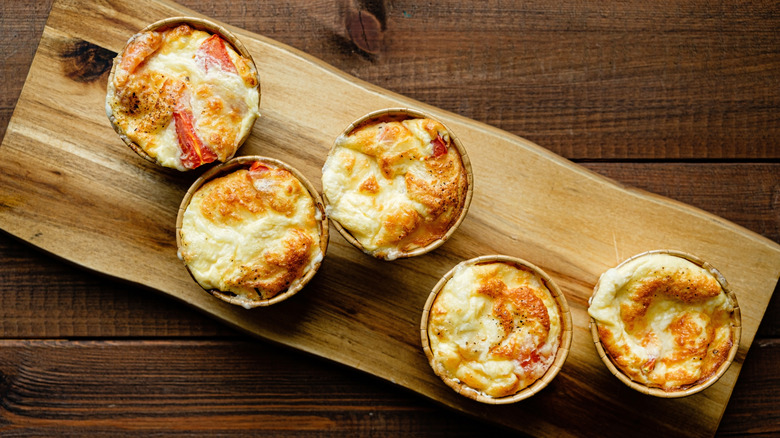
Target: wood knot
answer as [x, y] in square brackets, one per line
[85, 62]
[365, 31]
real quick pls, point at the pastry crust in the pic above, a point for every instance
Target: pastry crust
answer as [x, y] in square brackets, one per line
[253, 233]
[664, 321]
[494, 327]
[182, 97]
[396, 184]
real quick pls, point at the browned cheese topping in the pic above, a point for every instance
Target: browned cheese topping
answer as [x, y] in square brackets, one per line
[494, 327]
[664, 321]
[395, 185]
[252, 232]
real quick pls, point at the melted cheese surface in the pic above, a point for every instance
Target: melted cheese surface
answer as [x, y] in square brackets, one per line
[223, 103]
[664, 321]
[254, 234]
[392, 187]
[495, 328]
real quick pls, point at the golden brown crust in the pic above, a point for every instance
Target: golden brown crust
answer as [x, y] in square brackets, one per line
[246, 71]
[228, 198]
[146, 103]
[717, 353]
[231, 197]
[369, 185]
[222, 126]
[276, 270]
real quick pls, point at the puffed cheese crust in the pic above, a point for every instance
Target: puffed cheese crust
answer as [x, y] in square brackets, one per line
[395, 185]
[252, 233]
[183, 96]
[664, 321]
[494, 327]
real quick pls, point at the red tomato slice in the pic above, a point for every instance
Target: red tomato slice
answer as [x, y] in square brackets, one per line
[649, 365]
[214, 53]
[439, 147]
[193, 151]
[136, 52]
[139, 49]
[258, 168]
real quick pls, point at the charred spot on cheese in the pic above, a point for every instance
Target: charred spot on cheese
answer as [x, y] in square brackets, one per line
[252, 233]
[160, 71]
[661, 319]
[394, 184]
[495, 327]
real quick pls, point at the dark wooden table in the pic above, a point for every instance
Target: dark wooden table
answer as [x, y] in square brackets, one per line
[681, 98]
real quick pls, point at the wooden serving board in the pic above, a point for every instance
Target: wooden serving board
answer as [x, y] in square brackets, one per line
[69, 186]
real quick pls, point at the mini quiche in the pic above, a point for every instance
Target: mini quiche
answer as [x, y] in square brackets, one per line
[181, 96]
[396, 183]
[496, 329]
[665, 323]
[252, 231]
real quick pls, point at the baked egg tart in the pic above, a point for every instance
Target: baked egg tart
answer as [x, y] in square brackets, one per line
[496, 329]
[397, 183]
[665, 323]
[252, 231]
[183, 92]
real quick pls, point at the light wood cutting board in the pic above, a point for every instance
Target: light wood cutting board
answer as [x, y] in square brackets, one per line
[69, 186]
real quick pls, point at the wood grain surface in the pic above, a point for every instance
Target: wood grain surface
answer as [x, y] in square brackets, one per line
[749, 186]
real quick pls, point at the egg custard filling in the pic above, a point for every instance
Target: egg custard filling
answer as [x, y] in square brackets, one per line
[184, 96]
[253, 233]
[395, 185]
[494, 327]
[664, 321]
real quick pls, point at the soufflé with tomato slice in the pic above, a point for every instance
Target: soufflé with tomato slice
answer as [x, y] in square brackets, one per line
[396, 183]
[182, 96]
